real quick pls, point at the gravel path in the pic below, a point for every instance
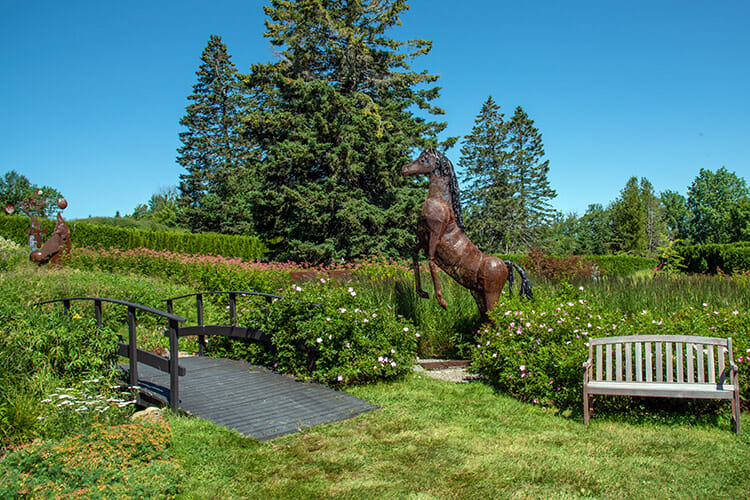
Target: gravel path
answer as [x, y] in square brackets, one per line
[459, 375]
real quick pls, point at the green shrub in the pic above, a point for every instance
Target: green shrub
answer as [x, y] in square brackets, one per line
[323, 331]
[86, 234]
[11, 254]
[715, 258]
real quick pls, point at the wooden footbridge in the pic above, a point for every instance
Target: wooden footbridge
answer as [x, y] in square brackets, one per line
[250, 399]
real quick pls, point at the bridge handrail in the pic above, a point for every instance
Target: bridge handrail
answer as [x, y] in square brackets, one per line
[232, 307]
[139, 307]
[235, 292]
[133, 353]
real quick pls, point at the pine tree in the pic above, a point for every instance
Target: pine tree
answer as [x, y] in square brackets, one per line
[490, 205]
[529, 177]
[509, 193]
[213, 151]
[334, 125]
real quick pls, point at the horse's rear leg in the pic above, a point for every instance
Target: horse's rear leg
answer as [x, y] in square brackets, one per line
[417, 278]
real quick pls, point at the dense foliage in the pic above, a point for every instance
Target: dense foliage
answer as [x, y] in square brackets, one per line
[326, 331]
[17, 190]
[715, 258]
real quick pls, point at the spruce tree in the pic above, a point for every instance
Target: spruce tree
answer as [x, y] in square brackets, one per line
[529, 178]
[509, 193]
[213, 151]
[489, 202]
[333, 122]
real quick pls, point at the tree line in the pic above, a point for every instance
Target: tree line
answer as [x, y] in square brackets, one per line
[642, 222]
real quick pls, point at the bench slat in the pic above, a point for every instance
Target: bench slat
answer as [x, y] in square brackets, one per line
[649, 364]
[669, 353]
[701, 366]
[618, 361]
[609, 362]
[629, 361]
[599, 360]
[711, 365]
[653, 389]
[689, 360]
[638, 363]
[659, 364]
[680, 373]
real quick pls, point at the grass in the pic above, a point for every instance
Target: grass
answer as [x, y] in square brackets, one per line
[437, 440]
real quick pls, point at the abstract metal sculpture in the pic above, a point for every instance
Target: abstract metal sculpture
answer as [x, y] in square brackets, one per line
[57, 244]
[440, 233]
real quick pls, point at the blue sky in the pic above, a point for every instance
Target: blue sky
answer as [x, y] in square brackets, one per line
[94, 90]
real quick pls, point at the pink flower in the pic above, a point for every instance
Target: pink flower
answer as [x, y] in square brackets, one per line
[522, 368]
[535, 400]
[319, 340]
[340, 378]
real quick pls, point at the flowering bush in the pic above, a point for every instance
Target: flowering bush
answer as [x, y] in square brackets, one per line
[11, 253]
[535, 350]
[327, 332]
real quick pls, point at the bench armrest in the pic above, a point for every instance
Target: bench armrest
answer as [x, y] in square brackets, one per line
[734, 367]
[587, 364]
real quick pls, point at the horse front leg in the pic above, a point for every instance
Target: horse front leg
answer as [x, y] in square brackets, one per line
[417, 277]
[436, 284]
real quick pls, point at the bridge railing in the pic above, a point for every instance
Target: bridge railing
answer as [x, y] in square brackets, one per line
[232, 330]
[130, 350]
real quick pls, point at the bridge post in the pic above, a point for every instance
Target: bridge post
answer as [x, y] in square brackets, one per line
[174, 367]
[232, 309]
[132, 347]
[199, 308]
[98, 312]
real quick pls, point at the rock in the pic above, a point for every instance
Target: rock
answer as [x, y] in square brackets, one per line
[150, 414]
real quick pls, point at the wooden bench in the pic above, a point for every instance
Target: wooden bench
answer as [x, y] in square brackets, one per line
[669, 366]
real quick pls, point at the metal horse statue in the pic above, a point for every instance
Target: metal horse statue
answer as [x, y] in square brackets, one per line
[440, 233]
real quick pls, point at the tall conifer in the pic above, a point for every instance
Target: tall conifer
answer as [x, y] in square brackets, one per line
[213, 151]
[334, 123]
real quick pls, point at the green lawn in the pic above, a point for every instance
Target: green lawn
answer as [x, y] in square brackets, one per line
[435, 439]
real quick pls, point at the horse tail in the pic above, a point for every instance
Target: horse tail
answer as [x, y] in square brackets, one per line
[525, 283]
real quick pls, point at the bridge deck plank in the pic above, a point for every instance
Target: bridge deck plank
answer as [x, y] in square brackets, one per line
[250, 399]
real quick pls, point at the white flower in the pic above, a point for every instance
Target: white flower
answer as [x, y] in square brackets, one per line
[319, 340]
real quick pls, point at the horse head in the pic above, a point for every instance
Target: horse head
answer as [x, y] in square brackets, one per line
[425, 164]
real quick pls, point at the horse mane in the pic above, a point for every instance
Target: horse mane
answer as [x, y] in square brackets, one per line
[445, 167]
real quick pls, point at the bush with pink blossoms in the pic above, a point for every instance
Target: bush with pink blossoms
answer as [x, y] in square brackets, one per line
[327, 332]
[534, 350]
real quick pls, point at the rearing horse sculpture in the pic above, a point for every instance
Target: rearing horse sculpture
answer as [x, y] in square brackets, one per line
[440, 233]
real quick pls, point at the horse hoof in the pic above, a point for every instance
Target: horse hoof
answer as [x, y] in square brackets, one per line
[423, 294]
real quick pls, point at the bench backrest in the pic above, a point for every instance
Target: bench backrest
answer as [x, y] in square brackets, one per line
[679, 359]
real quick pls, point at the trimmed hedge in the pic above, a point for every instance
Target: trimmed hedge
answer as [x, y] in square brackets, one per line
[85, 234]
[711, 258]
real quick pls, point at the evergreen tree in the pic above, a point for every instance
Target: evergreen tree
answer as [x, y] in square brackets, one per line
[213, 150]
[638, 227]
[508, 195]
[490, 206]
[711, 199]
[529, 177]
[333, 122]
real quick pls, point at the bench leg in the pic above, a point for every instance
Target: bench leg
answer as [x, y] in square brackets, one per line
[736, 412]
[585, 406]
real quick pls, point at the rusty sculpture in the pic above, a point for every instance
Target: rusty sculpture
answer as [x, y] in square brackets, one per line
[58, 243]
[440, 233]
